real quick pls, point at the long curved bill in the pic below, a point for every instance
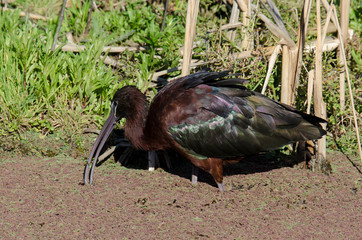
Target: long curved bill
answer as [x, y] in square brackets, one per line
[98, 145]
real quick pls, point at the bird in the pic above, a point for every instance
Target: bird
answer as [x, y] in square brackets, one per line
[210, 118]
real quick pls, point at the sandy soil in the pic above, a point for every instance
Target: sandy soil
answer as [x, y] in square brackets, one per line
[42, 198]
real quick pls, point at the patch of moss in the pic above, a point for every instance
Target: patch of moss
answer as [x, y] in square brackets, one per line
[31, 143]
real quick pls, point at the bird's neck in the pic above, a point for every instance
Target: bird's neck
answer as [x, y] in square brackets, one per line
[136, 121]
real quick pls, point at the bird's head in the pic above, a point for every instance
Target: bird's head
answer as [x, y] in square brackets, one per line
[123, 102]
[126, 102]
[122, 106]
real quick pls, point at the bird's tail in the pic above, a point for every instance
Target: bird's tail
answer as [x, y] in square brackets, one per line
[312, 130]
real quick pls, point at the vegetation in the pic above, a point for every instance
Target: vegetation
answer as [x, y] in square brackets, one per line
[62, 93]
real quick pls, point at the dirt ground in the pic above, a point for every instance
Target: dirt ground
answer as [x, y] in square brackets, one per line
[41, 198]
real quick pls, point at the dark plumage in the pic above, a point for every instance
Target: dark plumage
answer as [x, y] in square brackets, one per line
[209, 118]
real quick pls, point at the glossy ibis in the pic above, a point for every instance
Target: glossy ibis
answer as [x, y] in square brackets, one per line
[209, 118]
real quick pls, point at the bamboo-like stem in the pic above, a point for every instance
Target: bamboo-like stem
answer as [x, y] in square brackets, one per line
[290, 60]
[242, 5]
[226, 27]
[306, 13]
[297, 54]
[325, 29]
[274, 12]
[244, 29]
[268, 51]
[284, 98]
[191, 19]
[295, 63]
[349, 85]
[311, 74]
[78, 48]
[271, 64]
[334, 18]
[344, 27]
[235, 12]
[330, 44]
[276, 31]
[319, 105]
[342, 86]
[342, 75]
[344, 18]
[324, 34]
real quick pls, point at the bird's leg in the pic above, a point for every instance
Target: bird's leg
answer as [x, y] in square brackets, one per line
[167, 159]
[305, 152]
[152, 159]
[301, 154]
[195, 173]
[213, 166]
[216, 171]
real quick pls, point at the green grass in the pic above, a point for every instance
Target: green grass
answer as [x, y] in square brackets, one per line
[44, 89]
[50, 91]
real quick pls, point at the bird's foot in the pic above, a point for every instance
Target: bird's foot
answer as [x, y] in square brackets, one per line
[152, 159]
[221, 187]
[195, 173]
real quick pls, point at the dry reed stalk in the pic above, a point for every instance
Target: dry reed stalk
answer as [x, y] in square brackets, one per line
[342, 76]
[325, 29]
[284, 37]
[344, 27]
[330, 44]
[285, 91]
[30, 15]
[349, 83]
[274, 12]
[78, 48]
[311, 74]
[226, 27]
[342, 85]
[344, 18]
[334, 18]
[235, 12]
[271, 64]
[191, 19]
[297, 53]
[246, 22]
[242, 5]
[319, 105]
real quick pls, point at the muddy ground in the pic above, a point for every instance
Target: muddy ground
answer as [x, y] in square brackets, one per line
[41, 198]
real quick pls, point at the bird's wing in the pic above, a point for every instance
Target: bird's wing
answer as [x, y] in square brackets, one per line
[226, 122]
[214, 125]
